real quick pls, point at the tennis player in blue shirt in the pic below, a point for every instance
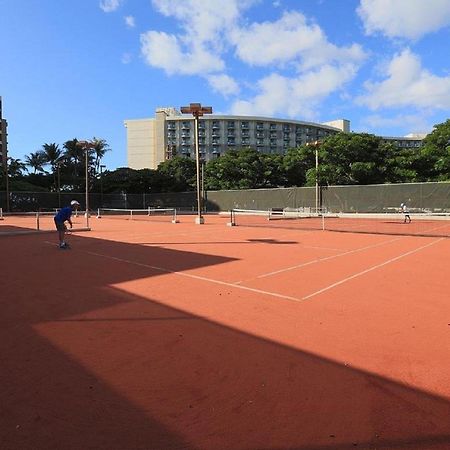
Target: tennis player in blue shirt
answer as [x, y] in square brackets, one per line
[62, 216]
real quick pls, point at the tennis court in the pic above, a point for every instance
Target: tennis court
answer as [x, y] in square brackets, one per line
[152, 334]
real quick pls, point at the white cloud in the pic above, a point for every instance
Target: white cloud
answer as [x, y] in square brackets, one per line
[410, 19]
[164, 51]
[291, 38]
[199, 47]
[129, 21]
[407, 83]
[209, 33]
[204, 21]
[294, 97]
[223, 84]
[419, 123]
[109, 5]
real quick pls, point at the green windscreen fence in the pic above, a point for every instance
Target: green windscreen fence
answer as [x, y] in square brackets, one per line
[419, 197]
[432, 197]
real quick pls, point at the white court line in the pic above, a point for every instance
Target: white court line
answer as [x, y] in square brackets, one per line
[314, 261]
[257, 291]
[370, 269]
[196, 277]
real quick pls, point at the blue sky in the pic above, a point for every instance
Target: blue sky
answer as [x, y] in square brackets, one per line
[78, 69]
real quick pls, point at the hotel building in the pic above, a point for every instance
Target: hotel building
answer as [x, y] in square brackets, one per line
[170, 133]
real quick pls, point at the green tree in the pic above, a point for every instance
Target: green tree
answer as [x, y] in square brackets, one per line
[401, 164]
[101, 147]
[244, 169]
[53, 156]
[296, 163]
[74, 156]
[179, 174]
[131, 181]
[274, 174]
[15, 167]
[349, 158]
[435, 154]
[36, 160]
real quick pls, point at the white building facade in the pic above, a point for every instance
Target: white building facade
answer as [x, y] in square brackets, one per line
[154, 140]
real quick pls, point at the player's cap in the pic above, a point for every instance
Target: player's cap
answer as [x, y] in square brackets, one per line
[74, 203]
[402, 204]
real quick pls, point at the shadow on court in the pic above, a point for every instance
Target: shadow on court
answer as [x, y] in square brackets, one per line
[88, 365]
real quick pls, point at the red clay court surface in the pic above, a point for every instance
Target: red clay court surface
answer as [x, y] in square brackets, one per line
[183, 336]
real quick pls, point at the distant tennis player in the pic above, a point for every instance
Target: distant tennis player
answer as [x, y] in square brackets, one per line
[62, 216]
[404, 209]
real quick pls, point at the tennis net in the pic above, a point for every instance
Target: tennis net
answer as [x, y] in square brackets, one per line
[422, 224]
[147, 214]
[34, 221]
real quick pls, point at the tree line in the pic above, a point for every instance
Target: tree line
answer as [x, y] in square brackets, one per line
[344, 158]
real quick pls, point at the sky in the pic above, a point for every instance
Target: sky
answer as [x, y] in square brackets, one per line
[78, 69]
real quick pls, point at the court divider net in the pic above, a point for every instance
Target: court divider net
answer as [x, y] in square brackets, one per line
[421, 224]
[147, 214]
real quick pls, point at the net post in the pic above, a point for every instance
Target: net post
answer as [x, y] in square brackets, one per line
[37, 220]
[232, 221]
[1, 213]
[174, 217]
[98, 214]
[131, 214]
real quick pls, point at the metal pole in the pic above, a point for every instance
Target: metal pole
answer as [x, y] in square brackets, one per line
[317, 177]
[7, 182]
[199, 219]
[59, 187]
[86, 149]
[101, 184]
[203, 186]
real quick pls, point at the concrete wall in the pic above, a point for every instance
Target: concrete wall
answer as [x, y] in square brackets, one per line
[140, 143]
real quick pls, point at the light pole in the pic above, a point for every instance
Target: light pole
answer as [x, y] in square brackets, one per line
[316, 145]
[7, 181]
[197, 110]
[58, 166]
[101, 183]
[203, 185]
[86, 146]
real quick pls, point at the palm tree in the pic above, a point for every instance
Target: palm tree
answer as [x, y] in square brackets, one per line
[36, 160]
[53, 156]
[73, 154]
[101, 147]
[15, 167]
